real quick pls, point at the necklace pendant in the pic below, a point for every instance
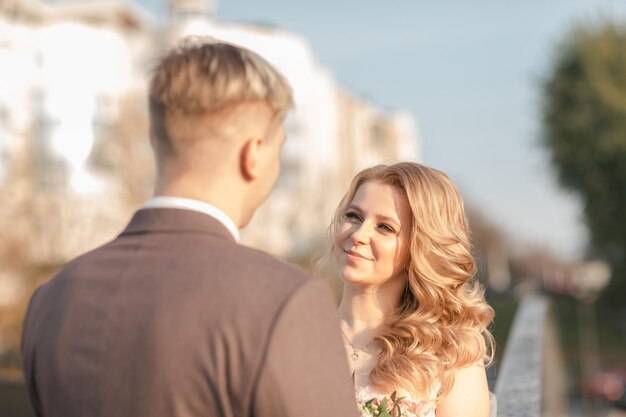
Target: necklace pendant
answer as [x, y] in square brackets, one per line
[355, 355]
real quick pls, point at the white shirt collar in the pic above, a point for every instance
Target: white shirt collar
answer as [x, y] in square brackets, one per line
[195, 205]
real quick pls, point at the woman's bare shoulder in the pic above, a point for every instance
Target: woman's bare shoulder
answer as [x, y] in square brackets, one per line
[469, 396]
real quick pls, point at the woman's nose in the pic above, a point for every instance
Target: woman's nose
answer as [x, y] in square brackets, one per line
[361, 234]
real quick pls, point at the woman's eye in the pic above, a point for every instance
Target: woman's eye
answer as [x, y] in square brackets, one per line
[353, 216]
[387, 228]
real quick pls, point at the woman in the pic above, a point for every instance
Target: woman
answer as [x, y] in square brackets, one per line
[414, 319]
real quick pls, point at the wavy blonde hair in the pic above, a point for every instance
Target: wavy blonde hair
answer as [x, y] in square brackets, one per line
[441, 322]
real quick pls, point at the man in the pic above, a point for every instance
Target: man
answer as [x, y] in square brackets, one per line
[173, 317]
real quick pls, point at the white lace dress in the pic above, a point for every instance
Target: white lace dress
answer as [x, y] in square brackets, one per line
[370, 402]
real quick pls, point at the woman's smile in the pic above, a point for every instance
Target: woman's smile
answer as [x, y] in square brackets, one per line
[352, 255]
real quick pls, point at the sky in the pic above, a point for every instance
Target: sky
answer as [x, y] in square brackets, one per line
[471, 73]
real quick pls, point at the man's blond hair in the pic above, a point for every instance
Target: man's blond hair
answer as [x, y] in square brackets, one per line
[203, 76]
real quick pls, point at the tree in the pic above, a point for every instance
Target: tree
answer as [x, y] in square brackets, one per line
[585, 134]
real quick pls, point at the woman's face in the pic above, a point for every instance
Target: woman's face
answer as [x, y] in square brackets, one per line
[372, 242]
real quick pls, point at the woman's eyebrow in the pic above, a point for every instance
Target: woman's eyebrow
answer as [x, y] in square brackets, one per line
[381, 217]
[354, 207]
[389, 219]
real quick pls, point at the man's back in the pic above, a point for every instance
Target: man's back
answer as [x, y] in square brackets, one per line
[173, 318]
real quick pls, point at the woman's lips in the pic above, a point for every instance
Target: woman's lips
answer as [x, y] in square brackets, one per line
[355, 255]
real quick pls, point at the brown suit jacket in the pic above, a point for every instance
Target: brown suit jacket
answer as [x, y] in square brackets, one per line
[173, 318]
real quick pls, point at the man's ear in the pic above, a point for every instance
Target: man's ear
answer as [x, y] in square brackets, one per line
[249, 159]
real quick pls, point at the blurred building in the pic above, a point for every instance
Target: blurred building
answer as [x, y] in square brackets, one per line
[68, 68]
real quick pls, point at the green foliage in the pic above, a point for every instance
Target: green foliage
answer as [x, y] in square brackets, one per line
[505, 308]
[585, 133]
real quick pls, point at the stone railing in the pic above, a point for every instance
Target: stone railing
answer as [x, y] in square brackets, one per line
[530, 380]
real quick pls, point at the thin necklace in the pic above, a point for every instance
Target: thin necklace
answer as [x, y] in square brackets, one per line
[355, 349]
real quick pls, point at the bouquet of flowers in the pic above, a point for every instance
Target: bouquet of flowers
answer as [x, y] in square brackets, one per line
[382, 406]
[394, 406]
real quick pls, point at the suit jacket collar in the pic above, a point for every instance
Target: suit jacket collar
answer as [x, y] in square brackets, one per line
[176, 220]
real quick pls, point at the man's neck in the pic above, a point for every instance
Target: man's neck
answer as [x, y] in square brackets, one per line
[195, 205]
[224, 197]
